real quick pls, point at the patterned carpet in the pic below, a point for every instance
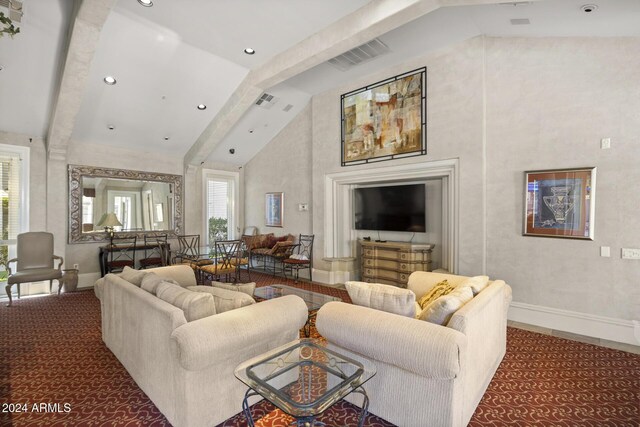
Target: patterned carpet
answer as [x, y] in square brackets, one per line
[55, 371]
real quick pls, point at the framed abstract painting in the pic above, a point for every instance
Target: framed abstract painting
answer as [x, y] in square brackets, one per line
[385, 120]
[560, 203]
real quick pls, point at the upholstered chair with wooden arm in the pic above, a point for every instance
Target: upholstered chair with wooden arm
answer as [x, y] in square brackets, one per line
[35, 261]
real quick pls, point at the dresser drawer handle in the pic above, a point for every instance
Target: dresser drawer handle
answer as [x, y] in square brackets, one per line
[368, 262]
[403, 256]
[403, 266]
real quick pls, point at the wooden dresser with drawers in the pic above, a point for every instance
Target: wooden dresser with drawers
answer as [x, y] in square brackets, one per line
[391, 263]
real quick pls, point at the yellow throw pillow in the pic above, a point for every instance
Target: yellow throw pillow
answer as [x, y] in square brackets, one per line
[440, 288]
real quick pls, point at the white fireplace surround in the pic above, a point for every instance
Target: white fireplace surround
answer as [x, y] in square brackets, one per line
[339, 235]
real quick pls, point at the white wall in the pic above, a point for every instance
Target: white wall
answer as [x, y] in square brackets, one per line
[454, 130]
[549, 102]
[503, 106]
[283, 165]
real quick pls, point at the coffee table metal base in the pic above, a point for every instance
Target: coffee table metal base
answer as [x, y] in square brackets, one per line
[305, 421]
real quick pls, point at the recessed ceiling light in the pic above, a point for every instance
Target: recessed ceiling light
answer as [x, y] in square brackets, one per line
[202, 107]
[111, 127]
[166, 138]
[110, 80]
[588, 8]
[146, 3]
[249, 51]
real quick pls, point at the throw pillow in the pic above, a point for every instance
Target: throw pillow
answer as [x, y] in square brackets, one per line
[225, 299]
[383, 297]
[150, 282]
[441, 310]
[476, 283]
[245, 288]
[195, 305]
[133, 276]
[439, 289]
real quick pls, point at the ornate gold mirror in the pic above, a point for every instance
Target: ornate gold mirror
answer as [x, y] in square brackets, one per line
[129, 202]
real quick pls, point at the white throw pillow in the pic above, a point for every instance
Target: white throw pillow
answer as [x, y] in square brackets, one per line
[245, 288]
[150, 282]
[383, 297]
[441, 310]
[476, 283]
[224, 299]
[132, 275]
[195, 305]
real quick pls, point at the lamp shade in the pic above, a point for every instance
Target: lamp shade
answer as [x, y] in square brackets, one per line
[109, 220]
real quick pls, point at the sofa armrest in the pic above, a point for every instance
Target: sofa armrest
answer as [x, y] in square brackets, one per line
[239, 334]
[416, 346]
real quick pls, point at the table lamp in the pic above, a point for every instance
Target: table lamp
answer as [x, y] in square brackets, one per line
[108, 221]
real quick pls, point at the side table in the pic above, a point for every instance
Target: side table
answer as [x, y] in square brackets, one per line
[304, 378]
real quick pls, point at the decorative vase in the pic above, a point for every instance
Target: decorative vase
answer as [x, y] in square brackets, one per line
[69, 280]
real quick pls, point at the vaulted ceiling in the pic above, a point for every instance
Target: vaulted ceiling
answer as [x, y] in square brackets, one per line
[170, 57]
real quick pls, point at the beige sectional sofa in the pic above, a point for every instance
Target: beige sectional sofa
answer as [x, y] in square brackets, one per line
[427, 374]
[186, 368]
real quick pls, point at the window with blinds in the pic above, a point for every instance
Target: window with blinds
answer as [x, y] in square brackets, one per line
[14, 166]
[218, 208]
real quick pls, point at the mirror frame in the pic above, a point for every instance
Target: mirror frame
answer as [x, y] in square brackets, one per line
[76, 172]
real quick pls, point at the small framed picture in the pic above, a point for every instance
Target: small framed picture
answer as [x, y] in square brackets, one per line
[560, 203]
[274, 209]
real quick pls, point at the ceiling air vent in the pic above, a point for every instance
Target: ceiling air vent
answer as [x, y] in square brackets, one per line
[520, 21]
[13, 9]
[287, 108]
[266, 101]
[359, 55]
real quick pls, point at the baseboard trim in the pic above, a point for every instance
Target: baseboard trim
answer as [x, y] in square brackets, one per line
[331, 277]
[87, 280]
[574, 322]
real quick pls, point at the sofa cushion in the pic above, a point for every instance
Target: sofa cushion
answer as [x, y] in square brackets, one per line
[441, 288]
[150, 282]
[383, 297]
[245, 288]
[132, 275]
[195, 305]
[441, 310]
[182, 274]
[476, 283]
[225, 299]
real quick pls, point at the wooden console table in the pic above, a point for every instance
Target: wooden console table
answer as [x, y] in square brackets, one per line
[105, 250]
[391, 263]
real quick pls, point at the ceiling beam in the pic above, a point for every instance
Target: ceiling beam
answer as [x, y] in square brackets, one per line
[370, 21]
[83, 43]
[366, 23]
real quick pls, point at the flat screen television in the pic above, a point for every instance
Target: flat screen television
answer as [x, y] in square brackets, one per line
[391, 208]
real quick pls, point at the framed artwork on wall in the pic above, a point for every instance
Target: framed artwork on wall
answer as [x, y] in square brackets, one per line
[560, 203]
[274, 209]
[385, 120]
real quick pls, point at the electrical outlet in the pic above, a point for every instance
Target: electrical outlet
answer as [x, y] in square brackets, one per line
[605, 143]
[605, 251]
[76, 267]
[628, 253]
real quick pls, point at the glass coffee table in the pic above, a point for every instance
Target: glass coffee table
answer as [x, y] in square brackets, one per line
[304, 378]
[314, 300]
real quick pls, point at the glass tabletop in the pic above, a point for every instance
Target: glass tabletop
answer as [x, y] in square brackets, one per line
[304, 378]
[314, 300]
